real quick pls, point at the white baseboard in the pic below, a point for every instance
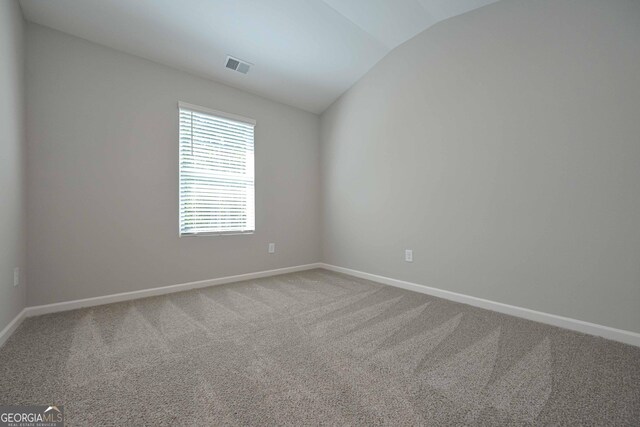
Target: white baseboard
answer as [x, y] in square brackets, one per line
[126, 296]
[620, 335]
[12, 326]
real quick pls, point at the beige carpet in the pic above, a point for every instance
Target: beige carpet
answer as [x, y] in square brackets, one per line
[315, 348]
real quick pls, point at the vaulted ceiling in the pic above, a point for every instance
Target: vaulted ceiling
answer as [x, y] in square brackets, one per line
[305, 53]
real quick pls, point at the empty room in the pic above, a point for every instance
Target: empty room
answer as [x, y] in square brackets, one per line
[319, 212]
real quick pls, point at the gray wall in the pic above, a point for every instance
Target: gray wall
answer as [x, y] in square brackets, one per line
[12, 163]
[503, 147]
[103, 175]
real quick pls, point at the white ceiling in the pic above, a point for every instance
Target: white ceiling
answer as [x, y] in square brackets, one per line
[306, 53]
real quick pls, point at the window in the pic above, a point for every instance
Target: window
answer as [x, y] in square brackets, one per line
[216, 172]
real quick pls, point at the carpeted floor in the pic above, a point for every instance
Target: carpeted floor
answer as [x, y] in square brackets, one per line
[315, 348]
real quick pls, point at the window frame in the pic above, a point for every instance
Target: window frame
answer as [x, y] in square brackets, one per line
[228, 116]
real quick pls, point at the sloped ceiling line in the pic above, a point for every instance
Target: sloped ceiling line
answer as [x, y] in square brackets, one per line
[306, 53]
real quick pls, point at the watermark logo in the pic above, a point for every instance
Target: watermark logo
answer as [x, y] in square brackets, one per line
[32, 416]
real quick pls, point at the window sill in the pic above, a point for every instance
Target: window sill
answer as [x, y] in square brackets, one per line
[230, 233]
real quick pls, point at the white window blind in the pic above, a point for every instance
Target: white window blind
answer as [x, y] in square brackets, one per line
[216, 172]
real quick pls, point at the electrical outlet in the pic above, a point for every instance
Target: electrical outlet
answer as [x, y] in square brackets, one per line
[16, 276]
[272, 248]
[408, 255]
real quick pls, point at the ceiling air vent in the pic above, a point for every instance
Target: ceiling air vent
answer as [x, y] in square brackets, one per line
[238, 65]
